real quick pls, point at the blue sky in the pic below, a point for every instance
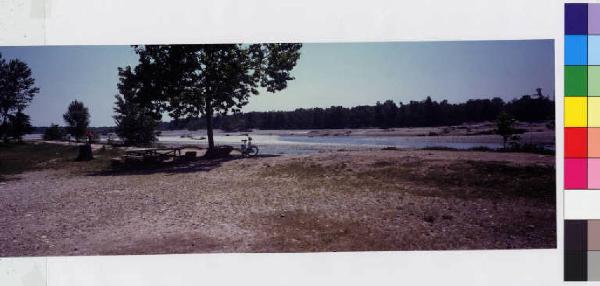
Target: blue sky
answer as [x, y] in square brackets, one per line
[346, 74]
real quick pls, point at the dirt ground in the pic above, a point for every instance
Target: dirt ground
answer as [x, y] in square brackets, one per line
[336, 201]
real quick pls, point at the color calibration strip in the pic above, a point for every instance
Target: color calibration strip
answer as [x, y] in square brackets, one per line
[582, 134]
[582, 96]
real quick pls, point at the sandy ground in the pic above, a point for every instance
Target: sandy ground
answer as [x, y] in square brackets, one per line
[338, 201]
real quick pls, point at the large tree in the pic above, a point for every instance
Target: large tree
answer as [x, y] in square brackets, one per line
[77, 118]
[189, 81]
[16, 90]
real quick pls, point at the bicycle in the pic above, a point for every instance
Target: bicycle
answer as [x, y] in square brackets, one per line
[247, 148]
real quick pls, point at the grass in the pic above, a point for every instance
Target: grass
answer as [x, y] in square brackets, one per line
[19, 158]
[525, 148]
[463, 178]
[307, 170]
[492, 179]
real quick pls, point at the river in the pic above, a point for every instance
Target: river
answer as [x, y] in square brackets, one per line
[298, 144]
[303, 144]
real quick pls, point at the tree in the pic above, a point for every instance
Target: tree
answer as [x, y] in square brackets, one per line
[135, 125]
[390, 112]
[19, 125]
[77, 118]
[136, 115]
[427, 112]
[54, 132]
[16, 91]
[202, 80]
[505, 127]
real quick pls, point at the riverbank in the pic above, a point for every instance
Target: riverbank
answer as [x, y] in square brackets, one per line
[306, 142]
[332, 201]
[303, 142]
[467, 129]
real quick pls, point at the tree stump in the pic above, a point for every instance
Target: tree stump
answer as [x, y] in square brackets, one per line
[85, 153]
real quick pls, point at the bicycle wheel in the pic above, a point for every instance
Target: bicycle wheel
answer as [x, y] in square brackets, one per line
[252, 151]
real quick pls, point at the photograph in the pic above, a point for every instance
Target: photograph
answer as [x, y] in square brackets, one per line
[277, 147]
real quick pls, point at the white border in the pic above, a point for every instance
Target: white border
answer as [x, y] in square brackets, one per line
[70, 22]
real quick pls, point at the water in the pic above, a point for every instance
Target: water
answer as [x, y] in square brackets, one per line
[304, 144]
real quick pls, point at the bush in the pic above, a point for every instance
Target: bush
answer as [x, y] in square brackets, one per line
[54, 133]
[481, 148]
[19, 125]
[531, 148]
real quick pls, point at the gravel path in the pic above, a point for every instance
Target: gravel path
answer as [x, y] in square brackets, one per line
[324, 202]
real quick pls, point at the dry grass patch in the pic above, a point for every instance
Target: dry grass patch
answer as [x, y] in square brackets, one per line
[458, 178]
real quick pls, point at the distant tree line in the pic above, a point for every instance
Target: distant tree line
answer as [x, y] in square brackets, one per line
[388, 114]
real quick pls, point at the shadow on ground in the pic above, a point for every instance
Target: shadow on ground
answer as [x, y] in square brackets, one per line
[200, 165]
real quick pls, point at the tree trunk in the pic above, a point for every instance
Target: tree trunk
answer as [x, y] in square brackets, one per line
[4, 132]
[209, 127]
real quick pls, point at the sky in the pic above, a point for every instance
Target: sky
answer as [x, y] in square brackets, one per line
[346, 74]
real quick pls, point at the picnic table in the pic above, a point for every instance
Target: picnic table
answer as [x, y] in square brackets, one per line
[160, 154]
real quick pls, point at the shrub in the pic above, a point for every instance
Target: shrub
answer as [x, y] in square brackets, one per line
[19, 125]
[54, 133]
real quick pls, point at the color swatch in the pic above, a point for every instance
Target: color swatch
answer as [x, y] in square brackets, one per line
[582, 134]
[582, 96]
[582, 250]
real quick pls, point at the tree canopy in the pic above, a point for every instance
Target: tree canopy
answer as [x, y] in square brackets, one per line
[17, 89]
[54, 132]
[135, 125]
[77, 118]
[19, 125]
[189, 81]
[505, 127]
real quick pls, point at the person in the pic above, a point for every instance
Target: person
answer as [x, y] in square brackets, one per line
[90, 136]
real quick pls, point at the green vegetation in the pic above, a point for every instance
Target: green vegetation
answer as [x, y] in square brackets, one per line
[16, 92]
[492, 179]
[428, 112]
[189, 81]
[461, 178]
[54, 133]
[19, 124]
[505, 128]
[136, 124]
[519, 148]
[18, 158]
[77, 118]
